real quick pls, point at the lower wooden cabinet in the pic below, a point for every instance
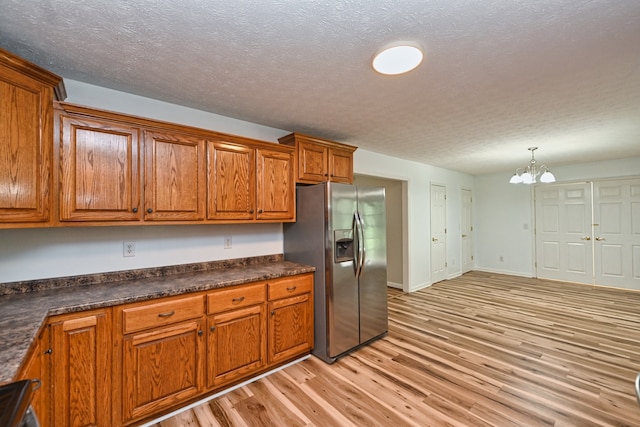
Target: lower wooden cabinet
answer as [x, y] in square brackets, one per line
[161, 368]
[290, 317]
[127, 364]
[236, 344]
[80, 369]
[36, 369]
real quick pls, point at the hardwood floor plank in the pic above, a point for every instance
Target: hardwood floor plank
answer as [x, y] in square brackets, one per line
[479, 350]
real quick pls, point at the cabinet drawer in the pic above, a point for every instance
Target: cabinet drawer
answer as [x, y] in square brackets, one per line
[161, 313]
[290, 286]
[236, 297]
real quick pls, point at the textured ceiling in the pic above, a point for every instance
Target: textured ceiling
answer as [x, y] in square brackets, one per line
[499, 76]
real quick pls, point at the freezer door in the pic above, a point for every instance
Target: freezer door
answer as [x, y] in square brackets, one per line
[373, 278]
[342, 285]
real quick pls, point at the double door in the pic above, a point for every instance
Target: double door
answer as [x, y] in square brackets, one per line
[589, 232]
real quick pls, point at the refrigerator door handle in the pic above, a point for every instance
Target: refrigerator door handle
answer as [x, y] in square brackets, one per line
[360, 248]
[356, 239]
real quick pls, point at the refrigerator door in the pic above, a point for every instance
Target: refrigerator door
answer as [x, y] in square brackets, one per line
[342, 289]
[373, 277]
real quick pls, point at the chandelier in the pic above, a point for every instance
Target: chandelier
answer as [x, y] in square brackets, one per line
[529, 173]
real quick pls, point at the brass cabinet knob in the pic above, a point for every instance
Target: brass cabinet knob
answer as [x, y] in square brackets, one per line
[586, 238]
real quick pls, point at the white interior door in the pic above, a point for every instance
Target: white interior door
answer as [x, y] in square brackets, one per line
[563, 232]
[467, 231]
[616, 212]
[438, 233]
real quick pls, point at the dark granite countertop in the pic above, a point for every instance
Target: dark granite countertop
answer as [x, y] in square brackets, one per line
[24, 306]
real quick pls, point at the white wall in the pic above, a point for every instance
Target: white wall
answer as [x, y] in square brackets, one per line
[502, 211]
[419, 178]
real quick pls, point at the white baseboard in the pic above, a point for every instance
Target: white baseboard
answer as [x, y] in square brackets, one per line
[511, 273]
[394, 285]
[419, 286]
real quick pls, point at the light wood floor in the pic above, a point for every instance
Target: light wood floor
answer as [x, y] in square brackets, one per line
[479, 350]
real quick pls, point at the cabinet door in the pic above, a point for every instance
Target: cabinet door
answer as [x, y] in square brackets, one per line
[99, 171]
[161, 368]
[236, 344]
[231, 178]
[81, 369]
[175, 186]
[26, 132]
[37, 368]
[290, 327]
[312, 162]
[275, 198]
[341, 166]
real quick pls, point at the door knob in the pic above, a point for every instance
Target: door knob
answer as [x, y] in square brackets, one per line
[586, 238]
[433, 239]
[600, 238]
[464, 235]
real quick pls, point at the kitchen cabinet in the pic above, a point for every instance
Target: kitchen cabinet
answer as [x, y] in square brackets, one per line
[162, 358]
[321, 160]
[236, 333]
[129, 363]
[232, 181]
[99, 164]
[36, 368]
[275, 186]
[248, 182]
[175, 177]
[118, 168]
[26, 131]
[290, 317]
[80, 369]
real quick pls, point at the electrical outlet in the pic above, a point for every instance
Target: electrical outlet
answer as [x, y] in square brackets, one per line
[501, 258]
[128, 249]
[227, 242]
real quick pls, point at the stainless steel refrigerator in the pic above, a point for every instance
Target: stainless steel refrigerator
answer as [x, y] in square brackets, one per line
[341, 230]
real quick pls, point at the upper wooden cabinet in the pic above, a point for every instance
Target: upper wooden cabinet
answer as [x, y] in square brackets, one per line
[320, 160]
[132, 170]
[232, 181]
[175, 178]
[275, 186]
[26, 132]
[250, 182]
[99, 170]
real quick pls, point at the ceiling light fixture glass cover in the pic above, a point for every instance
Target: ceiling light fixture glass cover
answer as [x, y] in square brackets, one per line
[529, 173]
[398, 58]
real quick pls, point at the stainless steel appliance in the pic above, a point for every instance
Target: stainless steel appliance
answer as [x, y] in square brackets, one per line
[341, 230]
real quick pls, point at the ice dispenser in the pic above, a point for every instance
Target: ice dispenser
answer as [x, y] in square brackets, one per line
[344, 245]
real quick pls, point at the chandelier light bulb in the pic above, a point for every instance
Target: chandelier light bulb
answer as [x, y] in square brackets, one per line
[530, 173]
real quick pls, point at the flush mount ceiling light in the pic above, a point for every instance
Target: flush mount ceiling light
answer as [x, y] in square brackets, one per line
[529, 173]
[398, 58]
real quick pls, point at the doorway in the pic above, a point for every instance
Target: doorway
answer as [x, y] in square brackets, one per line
[438, 233]
[589, 232]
